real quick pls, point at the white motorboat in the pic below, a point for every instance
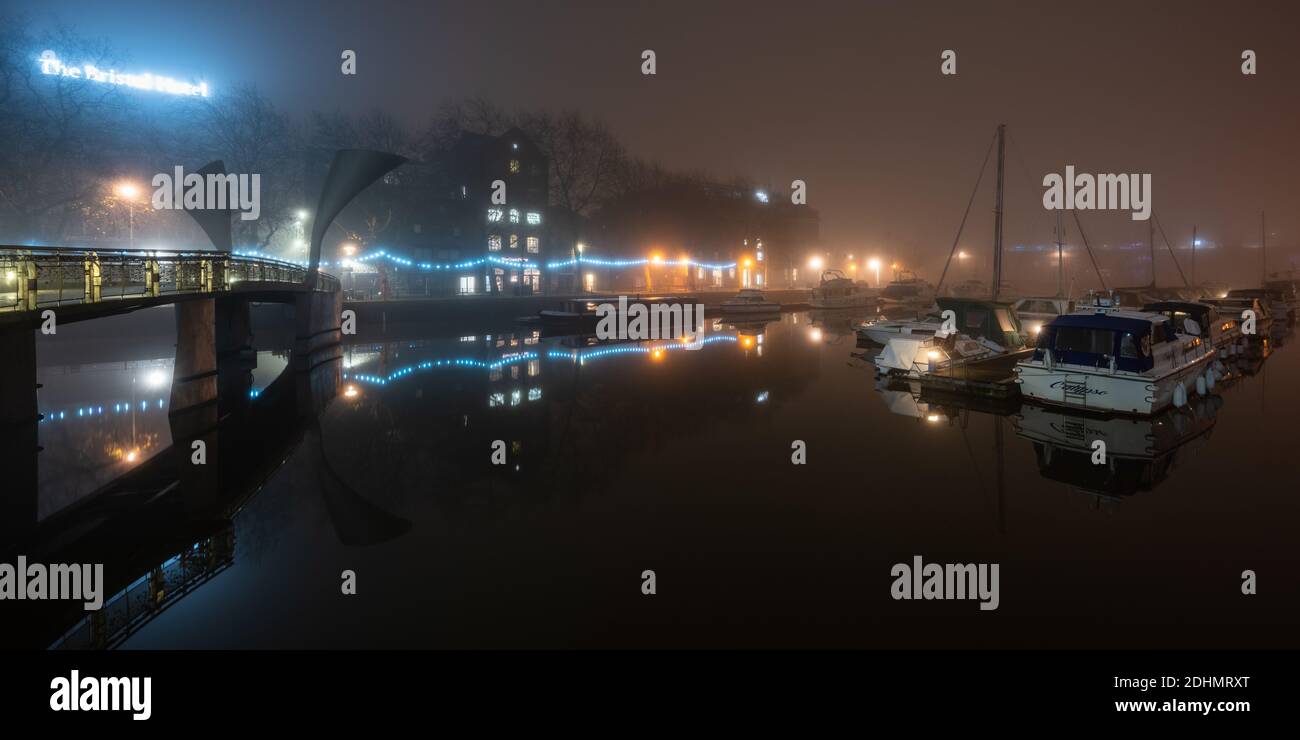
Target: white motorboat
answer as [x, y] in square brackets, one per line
[837, 291]
[1196, 319]
[982, 342]
[1035, 313]
[749, 302]
[1119, 361]
[908, 290]
[882, 330]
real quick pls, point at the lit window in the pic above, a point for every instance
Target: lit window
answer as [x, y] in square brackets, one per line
[494, 215]
[494, 243]
[534, 394]
[467, 288]
[515, 398]
[533, 244]
[534, 368]
[534, 218]
[497, 399]
[514, 166]
[514, 216]
[514, 241]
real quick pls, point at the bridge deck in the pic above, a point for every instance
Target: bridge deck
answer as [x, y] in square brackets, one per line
[85, 283]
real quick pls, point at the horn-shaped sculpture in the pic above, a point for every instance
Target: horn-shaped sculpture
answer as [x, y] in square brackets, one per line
[215, 222]
[352, 171]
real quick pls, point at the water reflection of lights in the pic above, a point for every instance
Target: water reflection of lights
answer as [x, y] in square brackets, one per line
[633, 349]
[432, 364]
[351, 392]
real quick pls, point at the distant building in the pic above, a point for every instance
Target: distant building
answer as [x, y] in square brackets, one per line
[760, 240]
[441, 212]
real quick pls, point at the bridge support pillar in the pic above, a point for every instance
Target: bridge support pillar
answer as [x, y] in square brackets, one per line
[194, 405]
[235, 355]
[18, 431]
[318, 348]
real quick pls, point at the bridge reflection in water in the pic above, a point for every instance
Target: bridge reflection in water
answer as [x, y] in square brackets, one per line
[163, 527]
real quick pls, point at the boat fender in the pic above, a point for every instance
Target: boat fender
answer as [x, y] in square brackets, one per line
[1202, 384]
[1180, 395]
[1209, 378]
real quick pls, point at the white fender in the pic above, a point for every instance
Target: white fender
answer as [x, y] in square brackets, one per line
[1202, 384]
[1180, 395]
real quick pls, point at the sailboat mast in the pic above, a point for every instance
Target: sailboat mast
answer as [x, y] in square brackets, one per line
[1060, 260]
[1193, 254]
[1263, 245]
[1151, 246]
[997, 211]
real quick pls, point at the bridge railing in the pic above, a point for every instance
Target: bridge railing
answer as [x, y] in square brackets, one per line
[40, 277]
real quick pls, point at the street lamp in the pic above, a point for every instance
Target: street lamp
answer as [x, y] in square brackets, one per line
[128, 191]
[875, 265]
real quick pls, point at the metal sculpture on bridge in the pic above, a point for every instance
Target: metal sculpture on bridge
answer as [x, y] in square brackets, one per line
[352, 171]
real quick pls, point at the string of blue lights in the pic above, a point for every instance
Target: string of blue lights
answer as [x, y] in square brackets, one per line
[525, 264]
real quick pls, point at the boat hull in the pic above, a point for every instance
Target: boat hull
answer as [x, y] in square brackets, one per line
[1099, 390]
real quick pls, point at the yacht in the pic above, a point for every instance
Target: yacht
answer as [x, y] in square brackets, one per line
[1273, 299]
[882, 330]
[837, 291]
[983, 342]
[1116, 361]
[908, 290]
[1195, 319]
[749, 301]
[1035, 313]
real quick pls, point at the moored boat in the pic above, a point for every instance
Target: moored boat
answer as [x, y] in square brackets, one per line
[837, 291]
[749, 301]
[1120, 361]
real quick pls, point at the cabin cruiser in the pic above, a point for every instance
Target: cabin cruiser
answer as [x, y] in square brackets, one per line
[1232, 309]
[749, 301]
[1199, 320]
[1278, 307]
[983, 341]
[1117, 361]
[1035, 313]
[837, 291]
[881, 331]
[908, 290]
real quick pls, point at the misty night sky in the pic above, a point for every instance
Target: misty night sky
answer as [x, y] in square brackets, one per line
[844, 95]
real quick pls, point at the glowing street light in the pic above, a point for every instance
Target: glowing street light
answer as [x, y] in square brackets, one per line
[127, 192]
[816, 263]
[875, 265]
[349, 248]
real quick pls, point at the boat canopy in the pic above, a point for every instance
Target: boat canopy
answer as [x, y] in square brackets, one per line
[993, 320]
[1201, 313]
[1094, 339]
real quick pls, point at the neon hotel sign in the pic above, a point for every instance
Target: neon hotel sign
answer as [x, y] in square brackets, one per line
[52, 65]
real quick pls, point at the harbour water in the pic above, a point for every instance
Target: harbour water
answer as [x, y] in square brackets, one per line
[676, 457]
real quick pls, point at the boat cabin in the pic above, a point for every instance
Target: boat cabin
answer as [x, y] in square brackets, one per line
[992, 320]
[1129, 339]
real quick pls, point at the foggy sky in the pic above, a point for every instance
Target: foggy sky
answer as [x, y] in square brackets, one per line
[844, 95]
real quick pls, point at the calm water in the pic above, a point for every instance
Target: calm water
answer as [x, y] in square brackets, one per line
[623, 458]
